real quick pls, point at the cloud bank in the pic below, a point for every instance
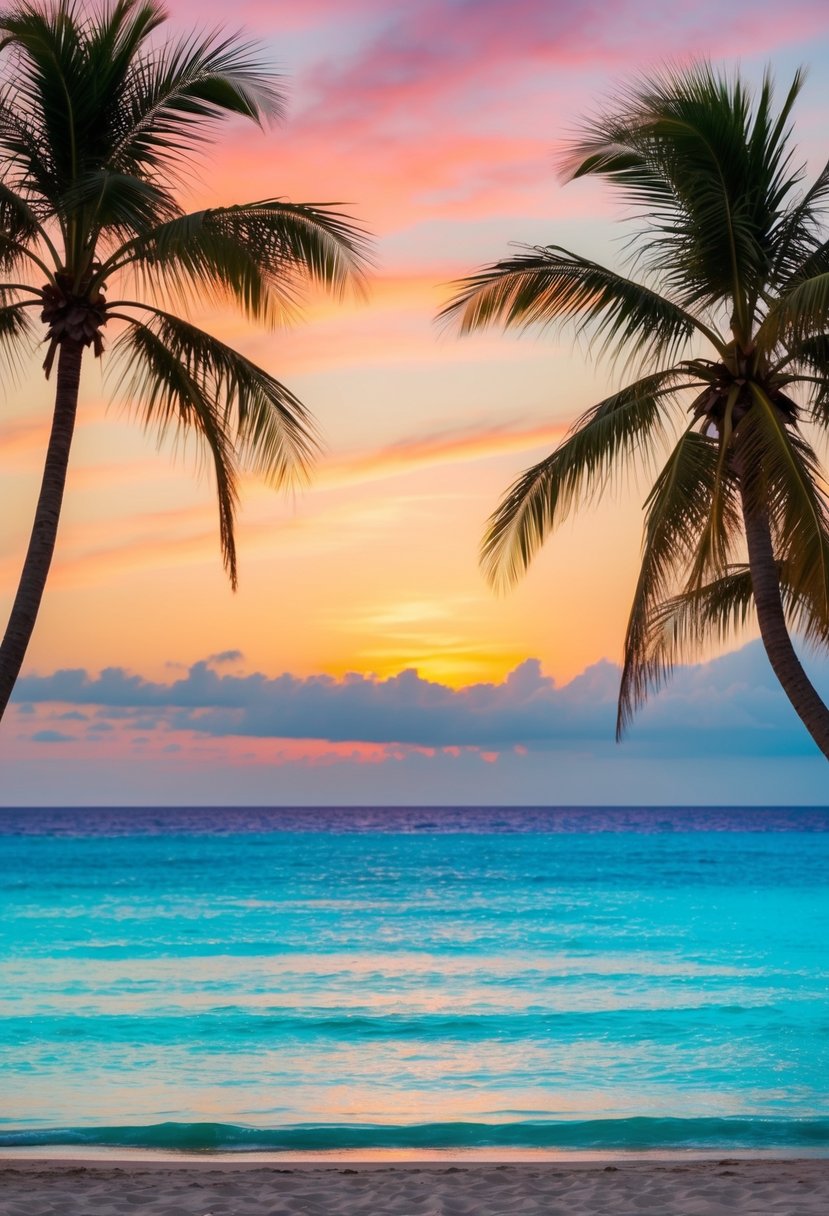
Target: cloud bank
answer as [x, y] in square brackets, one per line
[729, 706]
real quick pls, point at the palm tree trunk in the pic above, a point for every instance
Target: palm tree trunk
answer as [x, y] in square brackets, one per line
[45, 528]
[774, 631]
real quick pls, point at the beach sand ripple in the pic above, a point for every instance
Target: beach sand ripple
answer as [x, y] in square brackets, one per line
[664, 1188]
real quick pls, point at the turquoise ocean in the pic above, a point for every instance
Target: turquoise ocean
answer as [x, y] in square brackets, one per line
[256, 979]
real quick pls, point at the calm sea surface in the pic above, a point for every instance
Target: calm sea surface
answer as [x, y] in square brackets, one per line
[271, 979]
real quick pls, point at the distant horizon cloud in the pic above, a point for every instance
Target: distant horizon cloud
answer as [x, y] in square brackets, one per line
[225, 656]
[730, 705]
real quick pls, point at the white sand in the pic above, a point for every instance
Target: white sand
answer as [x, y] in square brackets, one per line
[725, 1187]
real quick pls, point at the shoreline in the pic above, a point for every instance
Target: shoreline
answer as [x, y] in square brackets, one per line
[98, 1155]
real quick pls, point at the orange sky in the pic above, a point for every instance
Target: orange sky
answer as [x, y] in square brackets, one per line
[435, 124]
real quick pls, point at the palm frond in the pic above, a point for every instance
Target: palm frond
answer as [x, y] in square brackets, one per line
[116, 204]
[175, 95]
[800, 250]
[543, 286]
[186, 260]
[715, 540]
[781, 477]
[172, 398]
[17, 332]
[715, 611]
[678, 511]
[809, 360]
[49, 61]
[269, 428]
[15, 254]
[312, 240]
[27, 162]
[800, 313]
[18, 219]
[814, 261]
[616, 429]
[720, 610]
[89, 93]
[259, 254]
[64, 95]
[708, 168]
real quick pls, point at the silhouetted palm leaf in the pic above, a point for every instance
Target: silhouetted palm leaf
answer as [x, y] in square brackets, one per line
[615, 430]
[269, 428]
[678, 512]
[547, 285]
[259, 255]
[98, 118]
[726, 253]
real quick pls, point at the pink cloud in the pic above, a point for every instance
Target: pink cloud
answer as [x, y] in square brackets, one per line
[277, 16]
[369, 719]
[479, 53]
[389, 184]
[453, 110]
[450, 447]
[96, 549]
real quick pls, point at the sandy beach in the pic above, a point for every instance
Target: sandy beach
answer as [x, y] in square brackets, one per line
[721, 1187]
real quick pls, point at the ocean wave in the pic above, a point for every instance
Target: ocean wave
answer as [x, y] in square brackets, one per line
[227, 1026]
[632, 1135]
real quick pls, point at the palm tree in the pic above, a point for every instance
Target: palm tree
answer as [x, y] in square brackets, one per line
[725, 313]
[99, 117]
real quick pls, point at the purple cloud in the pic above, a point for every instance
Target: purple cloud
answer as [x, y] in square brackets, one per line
[731, 705]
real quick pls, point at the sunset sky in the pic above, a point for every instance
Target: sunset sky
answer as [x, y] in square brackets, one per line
[363, 657]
